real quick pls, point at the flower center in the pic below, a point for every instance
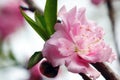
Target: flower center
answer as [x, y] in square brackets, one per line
[87, 48]
[76, 50]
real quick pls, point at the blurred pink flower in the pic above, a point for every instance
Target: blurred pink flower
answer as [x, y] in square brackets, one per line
[76, 43]
[97, 2]
[10, 18]
[34, 73]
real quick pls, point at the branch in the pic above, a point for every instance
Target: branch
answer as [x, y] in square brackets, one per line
[112, 19]
[106, 71]
[32, 6]
[85, 77]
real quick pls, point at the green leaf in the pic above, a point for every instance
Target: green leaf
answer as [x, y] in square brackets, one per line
[35, 58]
[41, 22]
[11, 56]
[50, 14]
[35, 26]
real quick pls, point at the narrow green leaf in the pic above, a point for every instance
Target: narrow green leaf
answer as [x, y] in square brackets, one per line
[11, 56]
[40, 20]
[35, 58]
[50, 14]
[35, 26]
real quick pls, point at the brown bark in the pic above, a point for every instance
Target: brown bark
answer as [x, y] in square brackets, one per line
[84, 76]
[106, 71]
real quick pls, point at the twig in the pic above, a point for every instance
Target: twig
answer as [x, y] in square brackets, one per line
[85, 77]
[106, 71]
[111, 12]
[112, 19]
[32, 6]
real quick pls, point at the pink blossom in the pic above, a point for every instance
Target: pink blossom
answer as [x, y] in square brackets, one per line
[10, 18]
[97, 2]
[76, 43]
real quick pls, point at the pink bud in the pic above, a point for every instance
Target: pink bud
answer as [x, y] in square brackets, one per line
[46, 69]
[97, 2]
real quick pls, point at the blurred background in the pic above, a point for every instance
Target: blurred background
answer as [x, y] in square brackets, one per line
[18, 41]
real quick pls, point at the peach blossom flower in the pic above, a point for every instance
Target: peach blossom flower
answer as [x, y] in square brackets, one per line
[10, 18]
[76, 43]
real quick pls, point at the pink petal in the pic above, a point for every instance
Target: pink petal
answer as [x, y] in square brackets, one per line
[78, 65]
[62, 11]
[81, 16]
[52, 54]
